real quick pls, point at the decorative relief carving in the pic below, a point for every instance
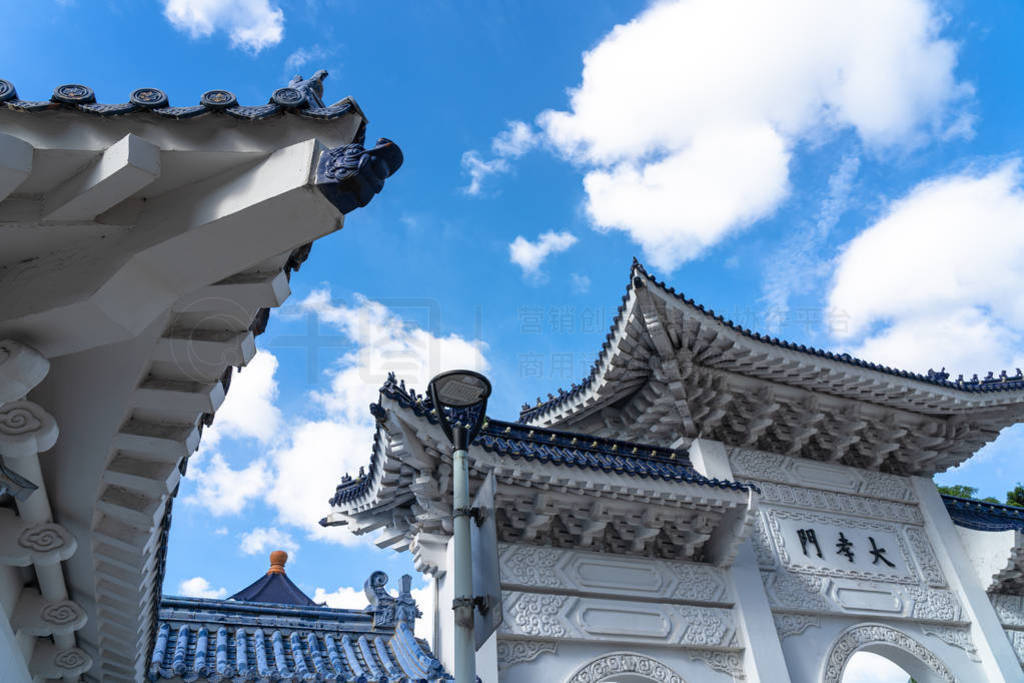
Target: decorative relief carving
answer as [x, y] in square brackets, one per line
[538, 615]
[957, 637]
[799, 496]
[1009, 609]
[625, 663]
[762, 546]
[26, 429]
[699, 582]
[925, 556]
[22, 544]
[795, 591]
[726, 662]
[934, 605]
[1017, 642]
[512, 652]
[582, 571]
[855, 638]
[787, 470]
[705, 627]
[44, 537]
[529, 565]
[543, 616]
[794, 624]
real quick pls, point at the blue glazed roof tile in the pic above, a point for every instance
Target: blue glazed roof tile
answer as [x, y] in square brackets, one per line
[638, 274]
[303, 98]
[516, 440]
[982, 516]
[275, 588]
[221, 640]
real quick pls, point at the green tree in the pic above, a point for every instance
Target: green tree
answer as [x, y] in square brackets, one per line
[958, 490]
[1016, 496]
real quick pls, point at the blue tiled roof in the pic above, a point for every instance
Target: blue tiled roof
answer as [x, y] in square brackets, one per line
[276, 588]
[982, 516]
[990, 383]
[553, 446]
[301, 97]
[220, 640]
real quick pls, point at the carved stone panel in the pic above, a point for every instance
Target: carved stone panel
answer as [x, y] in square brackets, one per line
[625, 663]
[857, 637]
[837, 478]
[512, 652]
[526, 566]
[544, 616]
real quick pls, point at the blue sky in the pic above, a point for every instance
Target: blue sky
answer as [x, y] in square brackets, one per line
[847, 178]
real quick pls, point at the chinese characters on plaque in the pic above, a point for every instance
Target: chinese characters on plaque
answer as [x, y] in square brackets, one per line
[844, 546]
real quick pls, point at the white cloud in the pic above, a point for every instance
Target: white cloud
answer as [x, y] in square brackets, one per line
[221, 531]
[867, 667]
[198, 587]
[303, 56]
[530, 255]
[517, 139]
[479, 170]
[309, 465]
[266, 539]
[580, 283]
[936, 281]
[248, 410]
[688, 115]
[222, 490]
[346, 597]
[251, 24]
[797, 266]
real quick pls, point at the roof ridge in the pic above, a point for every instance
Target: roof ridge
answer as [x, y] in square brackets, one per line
[638, 273]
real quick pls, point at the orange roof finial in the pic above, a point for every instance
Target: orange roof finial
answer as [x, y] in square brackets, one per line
[277, 560]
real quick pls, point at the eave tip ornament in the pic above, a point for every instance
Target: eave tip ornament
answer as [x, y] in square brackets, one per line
[349, 176]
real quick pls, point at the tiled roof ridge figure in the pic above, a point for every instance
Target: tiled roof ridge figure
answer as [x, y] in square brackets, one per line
[557, 446]
[301, 96]
[639, 276]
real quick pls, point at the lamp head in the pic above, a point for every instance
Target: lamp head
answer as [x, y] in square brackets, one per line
[461, 394]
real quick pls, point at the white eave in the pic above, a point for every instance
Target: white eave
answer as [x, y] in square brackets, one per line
[138, 256]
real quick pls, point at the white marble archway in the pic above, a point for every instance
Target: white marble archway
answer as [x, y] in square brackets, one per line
[625, 667]
[917, 660]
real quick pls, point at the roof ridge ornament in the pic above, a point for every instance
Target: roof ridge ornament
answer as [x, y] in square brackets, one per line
[349, 176]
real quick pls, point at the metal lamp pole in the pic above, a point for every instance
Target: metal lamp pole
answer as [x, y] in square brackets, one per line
[462, 394]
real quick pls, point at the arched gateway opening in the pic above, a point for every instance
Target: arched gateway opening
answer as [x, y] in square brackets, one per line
[917, 661]
[625, 667]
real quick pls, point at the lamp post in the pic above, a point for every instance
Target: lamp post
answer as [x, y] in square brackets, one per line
[460, 398]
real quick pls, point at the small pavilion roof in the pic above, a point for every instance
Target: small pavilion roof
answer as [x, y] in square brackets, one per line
[274, 586]
[250, 637]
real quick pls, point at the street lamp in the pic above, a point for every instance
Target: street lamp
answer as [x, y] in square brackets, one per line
[460, 398]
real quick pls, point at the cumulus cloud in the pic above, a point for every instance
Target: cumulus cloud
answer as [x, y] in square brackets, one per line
[250, 24]
[308, 466]
[223, 490]
[687, 116]
[517, 139]
[249, 410]
[266, 539]
[531, 255]
[346, 597]
[937, 280]
[198, 587]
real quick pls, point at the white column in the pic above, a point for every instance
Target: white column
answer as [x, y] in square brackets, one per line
[763, 659]
[997, 656]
